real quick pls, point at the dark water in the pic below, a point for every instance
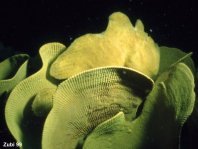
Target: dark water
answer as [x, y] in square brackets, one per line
[26, 25]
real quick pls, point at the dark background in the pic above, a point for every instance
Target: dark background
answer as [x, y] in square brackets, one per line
[26, 25]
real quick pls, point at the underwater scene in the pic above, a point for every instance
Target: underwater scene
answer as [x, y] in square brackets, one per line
[98, 74]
